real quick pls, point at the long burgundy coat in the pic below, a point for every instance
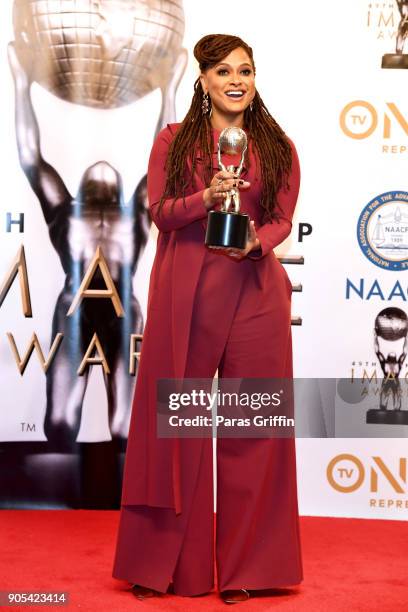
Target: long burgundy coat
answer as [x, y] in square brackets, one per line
[152, 473]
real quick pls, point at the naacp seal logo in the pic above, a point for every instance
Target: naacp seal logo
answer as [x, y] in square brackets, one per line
[382, 230]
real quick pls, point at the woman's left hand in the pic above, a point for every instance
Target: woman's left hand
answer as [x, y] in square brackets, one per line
[252, 243]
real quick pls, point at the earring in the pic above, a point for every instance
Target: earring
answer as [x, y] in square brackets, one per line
[251, 106]
[205, 105]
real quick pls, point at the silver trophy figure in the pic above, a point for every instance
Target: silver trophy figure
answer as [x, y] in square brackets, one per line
[227, 228]
[391, 327]
[102, 54]
[399, 59]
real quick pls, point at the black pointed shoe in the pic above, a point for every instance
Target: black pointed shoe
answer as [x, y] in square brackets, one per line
[234, 595]
[142, 592]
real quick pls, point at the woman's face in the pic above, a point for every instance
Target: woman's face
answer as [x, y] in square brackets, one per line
[231, 83]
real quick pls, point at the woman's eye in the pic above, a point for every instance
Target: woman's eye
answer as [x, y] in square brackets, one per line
[224, 71]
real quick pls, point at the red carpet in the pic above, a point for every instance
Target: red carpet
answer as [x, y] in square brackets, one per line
[349, 565]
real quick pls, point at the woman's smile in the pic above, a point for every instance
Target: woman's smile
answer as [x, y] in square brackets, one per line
[235, 94]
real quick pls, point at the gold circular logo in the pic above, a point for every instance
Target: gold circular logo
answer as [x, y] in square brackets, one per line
[334, 462]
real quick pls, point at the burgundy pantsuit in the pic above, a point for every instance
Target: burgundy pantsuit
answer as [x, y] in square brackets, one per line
[207, 310]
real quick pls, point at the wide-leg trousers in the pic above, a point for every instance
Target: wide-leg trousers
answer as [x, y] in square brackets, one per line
[257, 545]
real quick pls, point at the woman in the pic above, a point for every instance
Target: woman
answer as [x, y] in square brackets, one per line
[225, 309]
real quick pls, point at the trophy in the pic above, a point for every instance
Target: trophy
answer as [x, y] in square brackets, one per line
[391, 327]
[399, 59]
[226, 228]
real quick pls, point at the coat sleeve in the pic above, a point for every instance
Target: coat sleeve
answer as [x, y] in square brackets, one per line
[183, 211]
[273, 233]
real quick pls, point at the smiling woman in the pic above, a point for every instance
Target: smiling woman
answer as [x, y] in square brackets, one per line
[231, 88]
[225, 310]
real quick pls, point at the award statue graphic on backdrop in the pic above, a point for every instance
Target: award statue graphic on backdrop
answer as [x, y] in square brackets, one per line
[391, 328]
[399, 59]
[102, 54]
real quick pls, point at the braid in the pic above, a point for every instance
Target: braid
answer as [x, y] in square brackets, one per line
[273, 150]
[195, 134]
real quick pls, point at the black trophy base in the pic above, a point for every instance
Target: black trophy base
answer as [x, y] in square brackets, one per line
[387, 417]
[395, 60]
[38, 475]
[226, 229]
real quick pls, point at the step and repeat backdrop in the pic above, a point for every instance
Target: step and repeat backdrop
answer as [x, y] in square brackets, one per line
[86, 86]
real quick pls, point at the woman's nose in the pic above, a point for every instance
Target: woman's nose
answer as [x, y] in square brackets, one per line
[236, 79]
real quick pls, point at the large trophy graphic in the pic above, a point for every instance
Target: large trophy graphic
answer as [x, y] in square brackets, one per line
[227, 228]
[103, 54]
[391, 328]
[399, 59]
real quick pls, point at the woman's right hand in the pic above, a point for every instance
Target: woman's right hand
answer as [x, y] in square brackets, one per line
[221, 183]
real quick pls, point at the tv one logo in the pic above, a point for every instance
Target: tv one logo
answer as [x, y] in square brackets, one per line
[346, 473]
[359, 120]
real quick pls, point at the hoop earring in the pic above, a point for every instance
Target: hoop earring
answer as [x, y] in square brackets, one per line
[205, 105]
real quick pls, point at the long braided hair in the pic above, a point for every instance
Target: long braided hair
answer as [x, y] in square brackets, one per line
[195, 134]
